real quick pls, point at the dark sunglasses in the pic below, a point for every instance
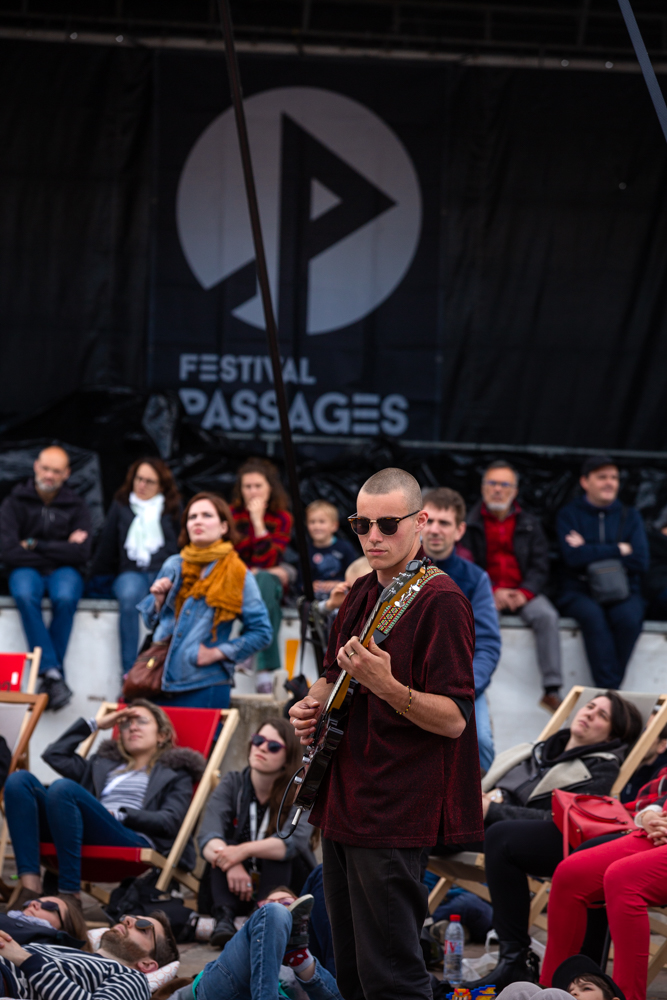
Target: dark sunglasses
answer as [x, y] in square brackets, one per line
[273, 746]
[46, 904]
[387, 525]
[142, 925]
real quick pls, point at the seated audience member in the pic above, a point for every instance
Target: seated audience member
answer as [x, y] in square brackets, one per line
[116, 971]
[655, 581]
[134, 792]
[47, 920]
[445, 527]
[264, 526]
[652, 764]
[583, 979]
[238, 835]
[521, 838]
[510, 544]
[140, 531]
[630, 874]
[193, 604]
[595, 527]
[330, 554]
[266, 958]
[45, 540]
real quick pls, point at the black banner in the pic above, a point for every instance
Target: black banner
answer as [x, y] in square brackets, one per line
[457, 253]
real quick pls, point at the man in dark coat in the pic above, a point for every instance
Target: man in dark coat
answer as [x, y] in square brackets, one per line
[593, 528]
[45, 540]
[510, 544]
[407, 768]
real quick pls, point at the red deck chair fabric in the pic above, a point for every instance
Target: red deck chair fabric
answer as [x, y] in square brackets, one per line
[195, 728]
[11, 671]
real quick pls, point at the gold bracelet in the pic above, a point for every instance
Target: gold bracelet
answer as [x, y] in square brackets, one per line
[406, 710]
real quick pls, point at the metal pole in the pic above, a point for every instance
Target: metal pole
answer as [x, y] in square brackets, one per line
[645, 63]
[265, 290]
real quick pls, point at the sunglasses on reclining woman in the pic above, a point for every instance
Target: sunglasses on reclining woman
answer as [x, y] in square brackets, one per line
[273, 746]
[46, 904]
[387, 525]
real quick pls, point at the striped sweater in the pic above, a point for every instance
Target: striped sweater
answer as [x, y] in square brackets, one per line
[54, 973]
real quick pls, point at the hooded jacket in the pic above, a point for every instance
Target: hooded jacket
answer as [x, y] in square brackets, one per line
[169, 789]
[527, 774]
[23, 514]
[530, 546]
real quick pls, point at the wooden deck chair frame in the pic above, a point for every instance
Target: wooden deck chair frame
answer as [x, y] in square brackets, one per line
[467, 870]
[39, 703]
[209, 780]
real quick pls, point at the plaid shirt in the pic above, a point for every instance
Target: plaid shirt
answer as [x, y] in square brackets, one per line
[652, 793]
[266, 552]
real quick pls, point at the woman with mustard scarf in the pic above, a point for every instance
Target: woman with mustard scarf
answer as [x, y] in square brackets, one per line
[194, 602]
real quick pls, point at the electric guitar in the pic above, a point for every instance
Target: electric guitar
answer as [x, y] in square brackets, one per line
[393, 600]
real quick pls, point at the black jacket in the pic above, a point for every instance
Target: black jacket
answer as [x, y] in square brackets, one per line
[594, 774]
[530, 546]
[169, 787]
[111, 557]
[656, 577]
[23, 514]
[34, 934]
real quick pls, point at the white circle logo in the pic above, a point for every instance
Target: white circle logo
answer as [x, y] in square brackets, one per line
[339, 203]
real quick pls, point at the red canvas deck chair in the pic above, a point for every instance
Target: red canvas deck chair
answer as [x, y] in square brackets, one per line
[13, 666]
[195, 728]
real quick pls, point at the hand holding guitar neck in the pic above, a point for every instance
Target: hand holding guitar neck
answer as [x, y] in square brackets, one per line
[369, 665]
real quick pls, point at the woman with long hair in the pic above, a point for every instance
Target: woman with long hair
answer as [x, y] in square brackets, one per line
[194, 602]
[134, 792]
[47, 920]
[264, 525]
[140, 532]
[238, 834]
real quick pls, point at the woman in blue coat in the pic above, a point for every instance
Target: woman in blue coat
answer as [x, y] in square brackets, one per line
[194, 602]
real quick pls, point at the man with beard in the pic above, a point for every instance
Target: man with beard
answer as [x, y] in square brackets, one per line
[45, 540]
[116, 971]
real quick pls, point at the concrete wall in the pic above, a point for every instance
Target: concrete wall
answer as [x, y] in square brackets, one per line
[93, 672]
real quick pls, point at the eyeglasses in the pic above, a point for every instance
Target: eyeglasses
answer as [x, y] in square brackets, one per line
[140, 720]
[46, 904]
[147, 482]
[273, 746]
[387, 525]
[143, 925]
[496, 482]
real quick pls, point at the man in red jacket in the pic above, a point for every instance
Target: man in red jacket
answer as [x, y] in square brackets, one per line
[407, 769]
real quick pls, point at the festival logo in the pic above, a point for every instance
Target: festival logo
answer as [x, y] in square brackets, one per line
[339, 203]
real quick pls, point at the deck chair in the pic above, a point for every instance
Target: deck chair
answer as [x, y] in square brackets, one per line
[195, 728]
[12, 670]
[19, 714]
[466, 869]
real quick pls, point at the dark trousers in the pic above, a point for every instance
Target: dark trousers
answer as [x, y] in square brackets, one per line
[610, 633]
[271, 875]
[377, 905]
[514, 849]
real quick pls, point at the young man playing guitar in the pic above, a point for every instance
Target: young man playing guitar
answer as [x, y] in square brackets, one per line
[407, 768]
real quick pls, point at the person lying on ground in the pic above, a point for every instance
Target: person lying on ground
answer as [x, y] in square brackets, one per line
[47, 920]
[116, 971]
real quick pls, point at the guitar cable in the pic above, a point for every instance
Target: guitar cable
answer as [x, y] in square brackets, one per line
[297, 815]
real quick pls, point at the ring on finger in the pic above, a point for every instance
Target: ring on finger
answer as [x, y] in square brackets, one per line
[351, 654]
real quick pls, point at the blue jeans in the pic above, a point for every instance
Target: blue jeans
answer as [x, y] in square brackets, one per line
[65, 814]
[610, 633]
[248, 967]
[65, 587]
[484, 732]
[215, 696]
[128, 589]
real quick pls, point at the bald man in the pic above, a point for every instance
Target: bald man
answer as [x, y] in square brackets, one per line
[45, 540]
[407, 768]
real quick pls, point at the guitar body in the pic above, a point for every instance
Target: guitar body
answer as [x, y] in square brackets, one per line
[331, 725]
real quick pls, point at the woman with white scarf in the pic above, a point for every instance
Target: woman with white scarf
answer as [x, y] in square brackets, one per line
[140, 532]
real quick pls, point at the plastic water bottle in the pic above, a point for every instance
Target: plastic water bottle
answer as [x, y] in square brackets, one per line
[454, 951]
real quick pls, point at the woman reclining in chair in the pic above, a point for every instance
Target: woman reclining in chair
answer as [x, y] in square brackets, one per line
[134, 792]
[521, 838]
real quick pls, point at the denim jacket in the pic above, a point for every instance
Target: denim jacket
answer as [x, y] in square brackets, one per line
[194, 626]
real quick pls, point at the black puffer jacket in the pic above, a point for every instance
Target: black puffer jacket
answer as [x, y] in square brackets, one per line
[169, 786]
[531, 547]
[541, 768]
[111, 556]
[24, 514]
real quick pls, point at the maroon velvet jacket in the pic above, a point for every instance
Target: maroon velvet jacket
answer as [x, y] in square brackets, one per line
[390, 783]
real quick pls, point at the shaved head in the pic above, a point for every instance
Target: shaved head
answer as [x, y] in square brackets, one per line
[391, 480]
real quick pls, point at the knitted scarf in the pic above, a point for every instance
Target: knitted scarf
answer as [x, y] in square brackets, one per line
[222, 589]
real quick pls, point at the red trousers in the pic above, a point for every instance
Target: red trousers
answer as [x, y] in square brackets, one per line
[629, 874]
